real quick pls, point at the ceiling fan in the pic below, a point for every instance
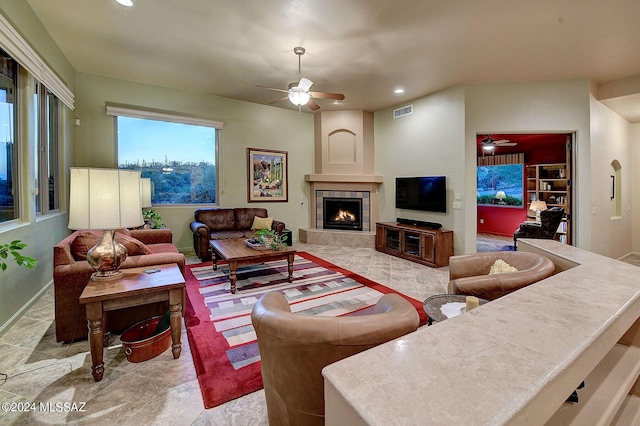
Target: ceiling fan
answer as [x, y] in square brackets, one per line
[298, 93]
[489, 143]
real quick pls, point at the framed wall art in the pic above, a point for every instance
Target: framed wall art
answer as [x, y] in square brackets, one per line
[267, 175]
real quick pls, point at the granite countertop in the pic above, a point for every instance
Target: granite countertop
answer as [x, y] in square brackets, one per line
[511, 361]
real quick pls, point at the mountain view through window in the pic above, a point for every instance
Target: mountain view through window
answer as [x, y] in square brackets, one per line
[179, 158]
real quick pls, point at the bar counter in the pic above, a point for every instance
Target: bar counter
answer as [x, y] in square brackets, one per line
[512, 361]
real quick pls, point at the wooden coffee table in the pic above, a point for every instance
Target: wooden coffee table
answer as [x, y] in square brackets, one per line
[237, 254]
[133, 288]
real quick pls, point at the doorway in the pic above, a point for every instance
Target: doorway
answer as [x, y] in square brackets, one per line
[546, 160]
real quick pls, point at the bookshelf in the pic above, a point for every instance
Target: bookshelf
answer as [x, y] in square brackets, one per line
[551, 183]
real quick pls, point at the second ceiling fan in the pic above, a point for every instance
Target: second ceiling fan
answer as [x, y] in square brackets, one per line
[299, 94]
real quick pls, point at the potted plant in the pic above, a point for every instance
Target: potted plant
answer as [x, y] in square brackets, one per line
[13, 248]
[270, 238]
[152, 219]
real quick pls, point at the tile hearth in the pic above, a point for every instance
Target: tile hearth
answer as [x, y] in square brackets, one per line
[161, 390]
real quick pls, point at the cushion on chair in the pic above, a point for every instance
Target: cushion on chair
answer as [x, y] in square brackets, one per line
[501, 267]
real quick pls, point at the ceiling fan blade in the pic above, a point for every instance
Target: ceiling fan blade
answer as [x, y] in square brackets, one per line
[314, 106]
[325, 95]
[305, 84]
[272, 88]
[279, 100]
[506, 144]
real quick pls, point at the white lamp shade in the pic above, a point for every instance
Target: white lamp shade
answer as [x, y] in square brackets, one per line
[501, 195]
[145, 187]
[104, 199]
[538, 205]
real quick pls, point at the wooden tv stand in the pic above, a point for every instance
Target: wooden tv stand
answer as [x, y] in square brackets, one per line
[431, 247]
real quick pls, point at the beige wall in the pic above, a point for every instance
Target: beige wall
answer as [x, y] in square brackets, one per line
[610, 140]
[245, 125]
[635, 191]
[429, 142]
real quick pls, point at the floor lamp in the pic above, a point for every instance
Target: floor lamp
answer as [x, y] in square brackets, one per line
[106, 200]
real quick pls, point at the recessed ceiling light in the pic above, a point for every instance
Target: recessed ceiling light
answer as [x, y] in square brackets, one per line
[127, 3]
[398, 91]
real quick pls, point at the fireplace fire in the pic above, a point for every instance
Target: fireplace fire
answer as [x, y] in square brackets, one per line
[342, 213]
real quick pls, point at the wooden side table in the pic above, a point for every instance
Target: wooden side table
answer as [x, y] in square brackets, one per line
[133, 288]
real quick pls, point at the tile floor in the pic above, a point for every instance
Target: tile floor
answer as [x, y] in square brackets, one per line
[161, 390]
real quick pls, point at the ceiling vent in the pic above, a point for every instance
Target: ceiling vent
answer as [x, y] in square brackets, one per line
[401, 112]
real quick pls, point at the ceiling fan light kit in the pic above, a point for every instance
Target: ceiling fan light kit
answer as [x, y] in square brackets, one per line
[299, 93]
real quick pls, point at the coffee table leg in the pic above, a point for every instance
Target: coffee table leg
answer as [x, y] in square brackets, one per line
[232, 276]
[290, 258]
[96, 339]
[215, 261]
[175, 320]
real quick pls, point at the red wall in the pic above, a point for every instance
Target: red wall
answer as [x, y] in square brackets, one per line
[500, 220]
[537, 149]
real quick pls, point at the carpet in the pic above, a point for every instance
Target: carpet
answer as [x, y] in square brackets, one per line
[488, 244]
[222, 340]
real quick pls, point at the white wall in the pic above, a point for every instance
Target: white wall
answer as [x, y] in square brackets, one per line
[245, 125]
[531, 107]
[610, 140]
[429, 142]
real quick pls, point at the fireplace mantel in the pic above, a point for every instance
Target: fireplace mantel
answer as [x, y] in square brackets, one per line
[344, 178]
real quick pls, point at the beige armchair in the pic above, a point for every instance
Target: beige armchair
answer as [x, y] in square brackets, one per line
[294, 349]
[469, 273]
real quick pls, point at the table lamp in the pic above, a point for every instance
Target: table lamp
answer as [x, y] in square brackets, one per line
[500, 195]
[538, 206]
[106, 200]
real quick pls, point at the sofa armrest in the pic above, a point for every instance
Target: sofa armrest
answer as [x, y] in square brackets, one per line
[530, 227]
[277, 226]
[153, 236]
[200, 230]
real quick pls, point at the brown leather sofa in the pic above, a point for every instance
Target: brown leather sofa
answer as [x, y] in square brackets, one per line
[294, 349]
[71, 272]
[469, 273]
[222, 224]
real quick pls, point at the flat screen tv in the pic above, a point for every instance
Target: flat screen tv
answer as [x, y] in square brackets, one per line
[427, 193]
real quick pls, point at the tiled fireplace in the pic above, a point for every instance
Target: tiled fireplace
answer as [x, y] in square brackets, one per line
[344, 176]
[345, 210]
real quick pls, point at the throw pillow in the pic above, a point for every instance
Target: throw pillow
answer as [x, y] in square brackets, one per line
[261, 223]
[500, 267]
[134, 246]
[84, 241]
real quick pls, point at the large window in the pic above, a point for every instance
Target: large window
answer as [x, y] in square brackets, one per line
[8, 149]
[178, 155]
[46, 161]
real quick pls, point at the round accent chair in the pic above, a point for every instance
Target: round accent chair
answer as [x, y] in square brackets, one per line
[294, 348]
[469, 273]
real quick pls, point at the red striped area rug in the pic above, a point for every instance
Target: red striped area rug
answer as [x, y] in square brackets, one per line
[222, 340]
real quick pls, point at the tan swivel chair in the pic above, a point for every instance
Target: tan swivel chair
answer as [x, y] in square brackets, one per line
[294, 349]
[469, 273]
